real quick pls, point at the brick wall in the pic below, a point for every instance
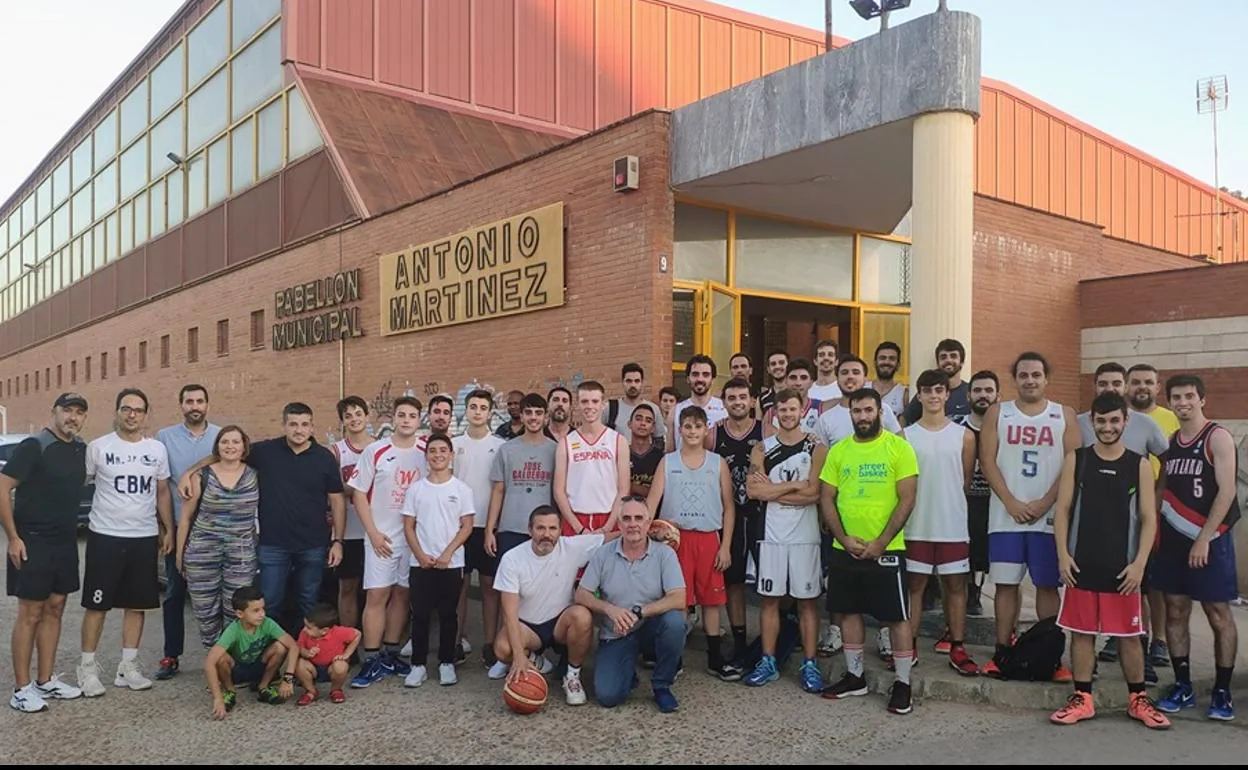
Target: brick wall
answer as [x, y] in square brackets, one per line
[617, 306]
[1028, 266]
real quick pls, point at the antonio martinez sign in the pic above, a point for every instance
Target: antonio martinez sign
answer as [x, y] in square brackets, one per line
[504, 268]
[337, 323]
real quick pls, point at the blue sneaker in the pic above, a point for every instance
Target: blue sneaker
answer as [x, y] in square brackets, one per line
[373, 670]
[1221, 708]
[397, 665]
[812, 678]
[1180, 697]
[763, 673]
[666, 702]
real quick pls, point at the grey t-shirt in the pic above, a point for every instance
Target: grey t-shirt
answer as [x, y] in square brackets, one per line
[1142, 434]
[627, 583]
[626, 414]
[526, 471]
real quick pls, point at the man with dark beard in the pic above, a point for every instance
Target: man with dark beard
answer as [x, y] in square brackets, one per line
[777, 370]
[868, 492]
[892, 393]
[559, 405]
[950, 356]
[620, 410]
[700, 373]
[985, 390]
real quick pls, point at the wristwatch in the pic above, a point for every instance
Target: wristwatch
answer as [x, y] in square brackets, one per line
[636, 610]
[335, 541]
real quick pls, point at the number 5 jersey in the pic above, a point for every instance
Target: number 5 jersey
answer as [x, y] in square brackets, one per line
[1029, 454]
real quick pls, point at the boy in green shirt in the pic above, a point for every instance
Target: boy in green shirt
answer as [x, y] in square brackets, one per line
[250, 650]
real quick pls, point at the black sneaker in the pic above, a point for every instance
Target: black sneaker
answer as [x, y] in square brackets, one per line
[900, 702]
[488, 658]
[730, 672]
[460, 654]
[974, 605]
[1150, 672]
[847, 686]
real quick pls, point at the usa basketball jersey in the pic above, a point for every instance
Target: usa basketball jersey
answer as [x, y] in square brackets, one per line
[593, 476]
[1030, 452]
[786, 524]
[736, 452]
[1192, 485]
[348, 456]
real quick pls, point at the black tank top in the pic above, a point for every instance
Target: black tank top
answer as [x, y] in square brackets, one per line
[1192, 485]
[1105, 518]
[736, 452]
[643, 466]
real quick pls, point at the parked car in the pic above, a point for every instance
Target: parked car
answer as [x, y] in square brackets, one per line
[9, 442]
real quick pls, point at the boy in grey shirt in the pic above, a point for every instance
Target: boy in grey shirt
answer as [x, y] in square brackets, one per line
[521, 479]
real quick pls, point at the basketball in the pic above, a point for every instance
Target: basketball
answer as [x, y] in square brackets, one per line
[527, 694]
[663, 531]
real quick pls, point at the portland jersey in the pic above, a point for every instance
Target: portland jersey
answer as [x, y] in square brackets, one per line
[348, 456]
[691, 498]
[1192, 485]
[126, 476]
[1105, 518]
[736, 452]
[1030, 454]
[939, 514]
[782, 523]
[714, 409]
[384, 472]
[593, 477]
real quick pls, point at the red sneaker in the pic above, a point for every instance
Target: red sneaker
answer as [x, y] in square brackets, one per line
[337, 696]
[307, 698]
[943, 645]
[961, 662]
[1078, 708]
[1063, 674]
[991, 669]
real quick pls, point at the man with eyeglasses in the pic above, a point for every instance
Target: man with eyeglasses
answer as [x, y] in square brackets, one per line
[131, 525]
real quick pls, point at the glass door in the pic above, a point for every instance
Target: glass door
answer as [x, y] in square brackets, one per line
[721, 326]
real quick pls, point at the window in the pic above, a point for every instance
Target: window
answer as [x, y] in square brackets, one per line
[134, 168]
[140, 218]
[121, 362]
[196, 184]
[103, 366]
[166, 82]
[83, 167]
[157, 217]
[125, 230]
[884, 272]
[700, 245]
[28, 214]
[175, 198]
[796, 259]
[242, 156]
[106, 139]
[249, 17]
[36, 381]
[218, 170]
[58, 375]
[208, 44]
[166, 138]
[27, 380]
[192, 344]
[256, 73]
[87, 369]
[134, 113]
[269, 135]
[60, 183]
[60, 227]
[106, 190]
[80, 209]
[73, 372]
[304, 137]
[143, 356]
[47, 377]
[257, 329]
[43, 239]
[223, 337]
[43, 198]
[75, 260]
[206, 111]
[99, 249]
[164, 351]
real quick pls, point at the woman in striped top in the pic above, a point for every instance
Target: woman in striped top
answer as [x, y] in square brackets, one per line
[217, 534]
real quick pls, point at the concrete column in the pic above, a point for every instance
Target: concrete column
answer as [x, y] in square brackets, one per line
[944, 201]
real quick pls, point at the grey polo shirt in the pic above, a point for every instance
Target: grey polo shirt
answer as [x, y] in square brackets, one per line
[1142, 435]
[626, 583]
[185, 449]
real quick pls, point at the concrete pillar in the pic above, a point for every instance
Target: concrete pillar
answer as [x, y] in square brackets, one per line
[944, 202]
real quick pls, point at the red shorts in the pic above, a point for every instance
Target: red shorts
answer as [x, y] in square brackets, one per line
[926, 557]
[590, 521]
[704, 585]
[1101, 612]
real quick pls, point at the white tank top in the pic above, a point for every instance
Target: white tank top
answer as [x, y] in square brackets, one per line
[348, 456]
[940, 503]
[593, 476]
[895, 399]
[1030, 454]
[714, 409]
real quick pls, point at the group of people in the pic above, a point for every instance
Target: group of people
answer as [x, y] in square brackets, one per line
[823, 483]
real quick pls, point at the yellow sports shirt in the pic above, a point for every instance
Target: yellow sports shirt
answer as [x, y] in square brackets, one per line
[865, 474]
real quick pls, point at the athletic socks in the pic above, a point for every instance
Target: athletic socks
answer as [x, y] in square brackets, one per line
[1182, 669]
[371, 653]
[1085, 687]
[129, 653]
[1133, 687]
[903, 662]
[573, 670]
[391, 648]
[714, 653]
[853, 659]
[88, 659]
[1222, 677]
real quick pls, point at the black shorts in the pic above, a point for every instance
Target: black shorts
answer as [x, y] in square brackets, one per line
[51, 567]
[869, 588]
[352, 565]
[508, 540]
[546, 634]
[121, 573]
[744, 544]
[977, 521]
[475, 557]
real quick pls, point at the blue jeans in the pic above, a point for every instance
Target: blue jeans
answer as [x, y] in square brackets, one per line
[171, 610]
[276, 565]
[616, 667]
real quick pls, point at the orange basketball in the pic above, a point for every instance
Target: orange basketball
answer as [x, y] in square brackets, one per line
[665, 531]
[527, 694]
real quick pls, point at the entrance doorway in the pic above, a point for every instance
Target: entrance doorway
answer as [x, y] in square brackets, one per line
[770, 324]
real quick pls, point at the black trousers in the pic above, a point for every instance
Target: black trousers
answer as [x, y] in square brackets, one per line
[435, 590]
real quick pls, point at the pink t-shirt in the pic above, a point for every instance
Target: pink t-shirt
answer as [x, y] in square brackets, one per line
[331, 645]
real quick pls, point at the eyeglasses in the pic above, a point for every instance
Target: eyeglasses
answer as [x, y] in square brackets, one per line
[129, 410]
[632, 499]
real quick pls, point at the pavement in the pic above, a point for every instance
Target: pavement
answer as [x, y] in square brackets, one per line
[955, 719]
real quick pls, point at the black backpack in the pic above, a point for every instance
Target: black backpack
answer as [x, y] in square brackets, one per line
[613, 412]
[1036, 654]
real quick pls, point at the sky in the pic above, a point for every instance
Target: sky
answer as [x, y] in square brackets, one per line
[1132, 75]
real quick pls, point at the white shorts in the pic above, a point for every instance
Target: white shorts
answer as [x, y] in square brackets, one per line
[789, 570]
[384, 573]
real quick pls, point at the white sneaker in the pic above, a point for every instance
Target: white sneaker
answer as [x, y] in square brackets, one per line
[28, 700]
[89, 680]
[541, 663]
[56, 689]
[446, 673]
[130, 675]
[574, 690]
[831, 642]
[416, 678]
[499, 670]
[466, 646]
[885, 641]
[406, 652]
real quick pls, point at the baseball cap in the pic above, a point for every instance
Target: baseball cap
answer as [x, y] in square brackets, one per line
[70, 399]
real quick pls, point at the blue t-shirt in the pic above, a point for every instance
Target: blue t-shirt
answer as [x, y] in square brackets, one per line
[294, 493]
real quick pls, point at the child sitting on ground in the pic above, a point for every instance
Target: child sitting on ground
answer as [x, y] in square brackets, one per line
[325, 650]
[249, 651]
